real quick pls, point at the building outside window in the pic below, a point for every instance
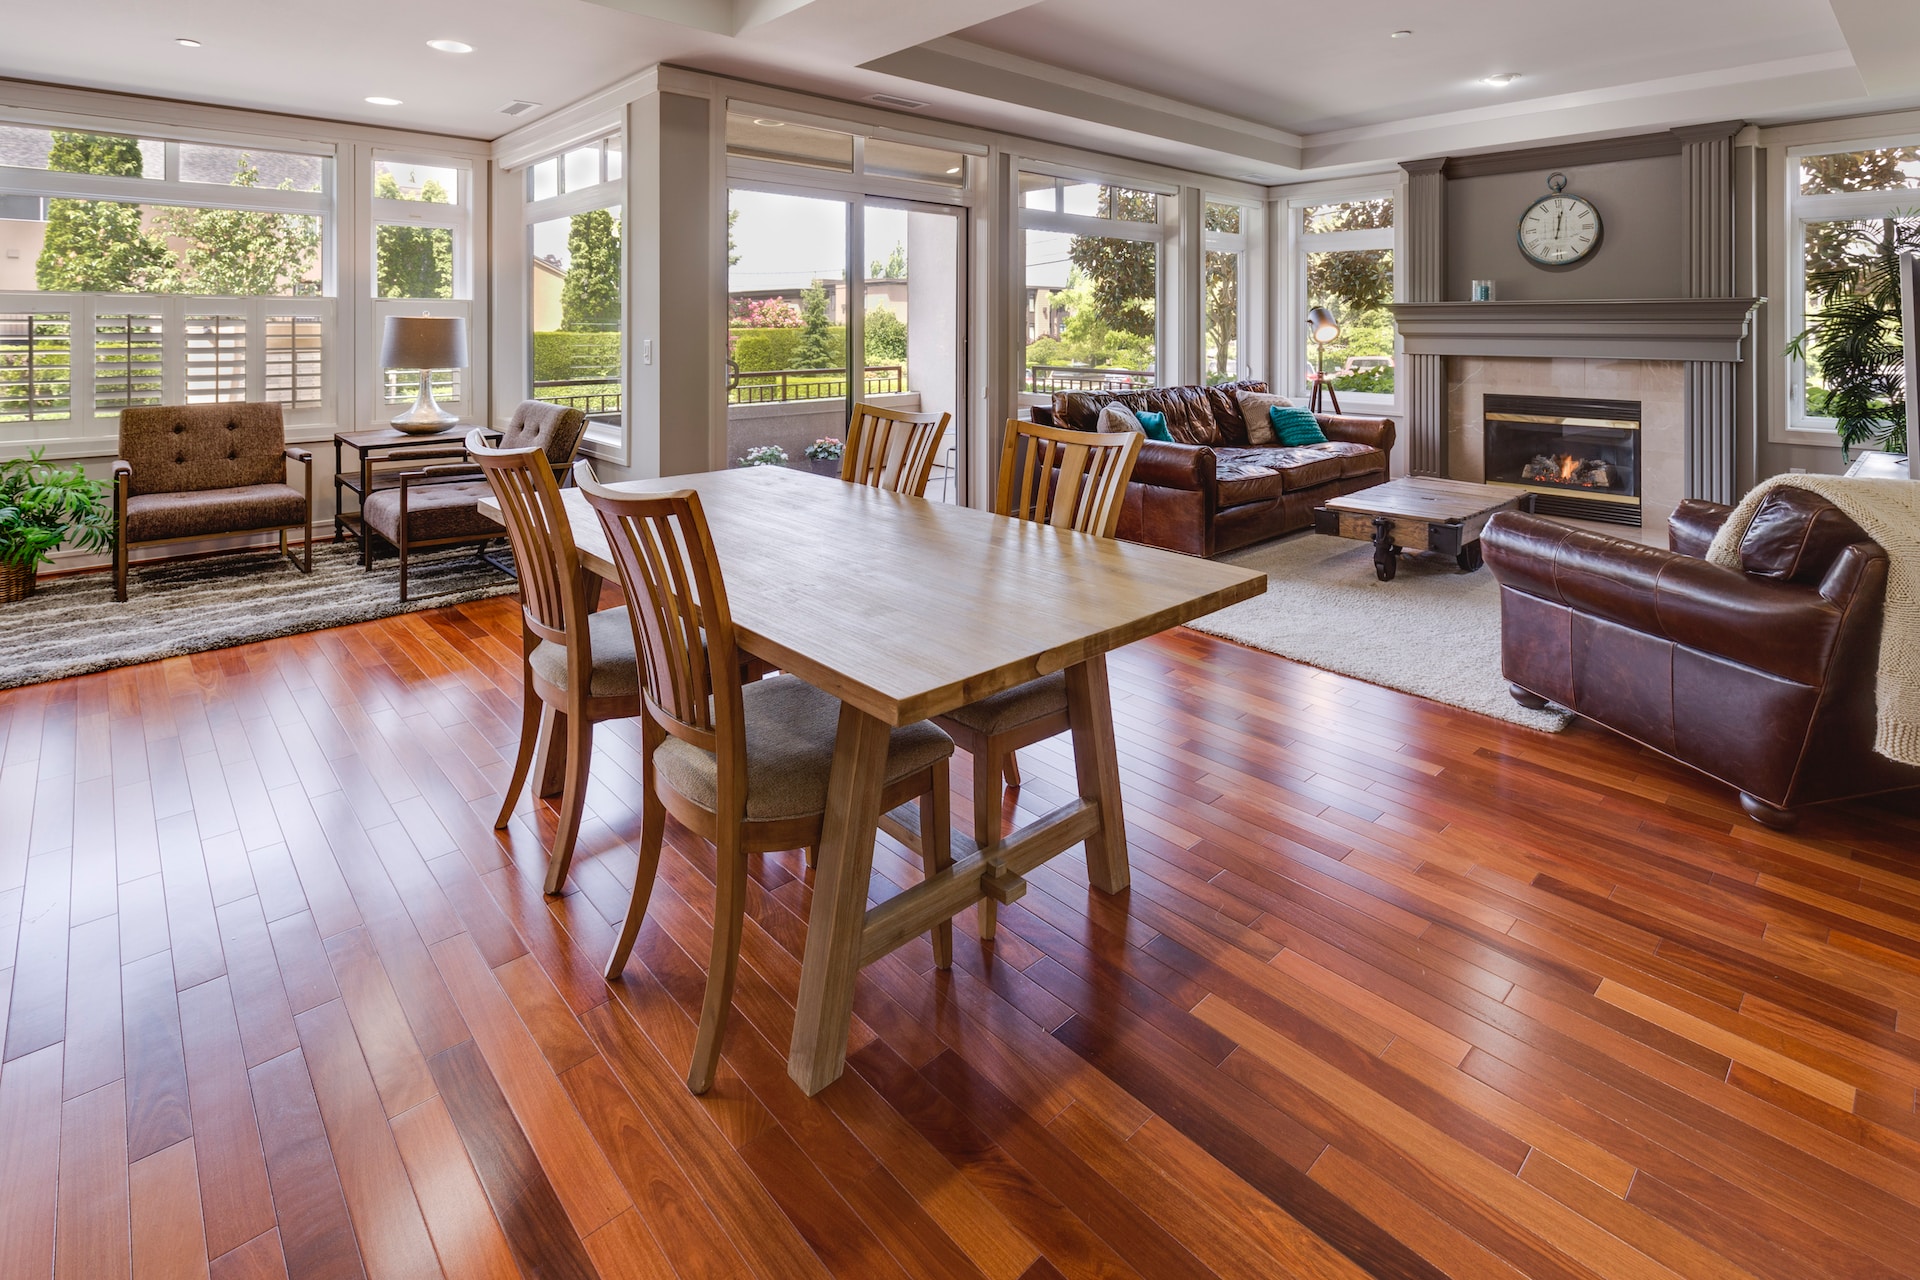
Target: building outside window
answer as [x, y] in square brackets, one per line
[1094, 253]
[574, 231]
[1343, 261]
[138, 271]
[1853, 212]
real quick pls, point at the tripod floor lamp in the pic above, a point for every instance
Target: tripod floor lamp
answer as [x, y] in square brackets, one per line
[1322, 328]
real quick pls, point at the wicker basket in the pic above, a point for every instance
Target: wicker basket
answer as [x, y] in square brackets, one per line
[16, 582]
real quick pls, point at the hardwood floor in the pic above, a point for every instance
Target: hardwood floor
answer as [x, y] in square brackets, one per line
[1397, 991]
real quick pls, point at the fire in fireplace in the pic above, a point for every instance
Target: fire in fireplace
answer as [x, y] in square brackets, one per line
[1581, 458]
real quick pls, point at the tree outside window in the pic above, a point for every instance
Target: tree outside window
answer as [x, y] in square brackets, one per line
[412, 262]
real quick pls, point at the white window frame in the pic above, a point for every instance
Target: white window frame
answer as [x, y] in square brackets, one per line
[1846, 206]
[1243, 244]
[607, 193]
[1292, 364]
[84, 432]
[1161, 233]
[453, 389]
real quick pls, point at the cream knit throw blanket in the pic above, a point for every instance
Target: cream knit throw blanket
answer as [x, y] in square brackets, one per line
[1889, 510]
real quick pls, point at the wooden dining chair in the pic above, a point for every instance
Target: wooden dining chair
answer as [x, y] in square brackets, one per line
[574, 660]
[1071, 480]
[743, 764]
[892, 449]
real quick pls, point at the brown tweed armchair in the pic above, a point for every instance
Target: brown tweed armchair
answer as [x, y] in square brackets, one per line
[187, 472]
[439, 505]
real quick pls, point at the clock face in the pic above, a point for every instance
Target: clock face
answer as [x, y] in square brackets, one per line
[1559, 230]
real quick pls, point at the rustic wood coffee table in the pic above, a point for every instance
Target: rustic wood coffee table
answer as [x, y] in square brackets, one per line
[1417, 513]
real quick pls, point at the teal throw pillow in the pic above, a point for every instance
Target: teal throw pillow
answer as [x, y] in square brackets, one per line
[1294, 426]
[1155, 425]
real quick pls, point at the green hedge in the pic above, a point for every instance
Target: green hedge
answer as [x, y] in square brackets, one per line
[564, 354]
[755, 350]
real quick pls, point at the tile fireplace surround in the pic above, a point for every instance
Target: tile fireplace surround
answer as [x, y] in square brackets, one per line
[1657, 384]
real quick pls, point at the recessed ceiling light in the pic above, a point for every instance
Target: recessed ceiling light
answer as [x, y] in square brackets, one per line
[1500, 79]
[384, 102]
[765, 123]
[450, 46]
[186, 42]
[1399, 35]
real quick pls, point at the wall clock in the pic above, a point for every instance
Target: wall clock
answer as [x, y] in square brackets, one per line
[1558, 229]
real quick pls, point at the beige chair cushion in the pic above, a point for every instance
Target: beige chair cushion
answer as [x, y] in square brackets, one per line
[1022, 704]
[616, 669]
[790, 731]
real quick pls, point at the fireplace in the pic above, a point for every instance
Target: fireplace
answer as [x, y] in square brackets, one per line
[1580, 458]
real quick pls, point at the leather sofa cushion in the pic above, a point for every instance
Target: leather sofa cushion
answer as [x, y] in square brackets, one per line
[197, 447]
[1304, 467]
[1795, 537]
[1195, 415]
[1246, 475]
[159, 517]
[434, 511]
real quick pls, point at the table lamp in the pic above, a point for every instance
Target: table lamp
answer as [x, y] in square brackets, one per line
[1322, 328]
[426, 344]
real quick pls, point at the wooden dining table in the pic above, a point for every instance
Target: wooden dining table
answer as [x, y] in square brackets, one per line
[903, 609]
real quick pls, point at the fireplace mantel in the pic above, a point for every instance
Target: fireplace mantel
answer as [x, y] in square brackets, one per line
[1702, 329]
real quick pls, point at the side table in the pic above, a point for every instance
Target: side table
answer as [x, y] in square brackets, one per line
[368, 449]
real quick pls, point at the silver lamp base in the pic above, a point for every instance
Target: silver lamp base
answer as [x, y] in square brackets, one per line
[424, 416]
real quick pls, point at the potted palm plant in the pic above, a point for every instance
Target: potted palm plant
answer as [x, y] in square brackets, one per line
[42, 507]
[1852, 342]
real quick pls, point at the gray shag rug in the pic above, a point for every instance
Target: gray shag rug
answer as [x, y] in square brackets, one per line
[73, 625]
[1433, 631]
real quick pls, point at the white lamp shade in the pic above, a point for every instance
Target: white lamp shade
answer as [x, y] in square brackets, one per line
[424, 342]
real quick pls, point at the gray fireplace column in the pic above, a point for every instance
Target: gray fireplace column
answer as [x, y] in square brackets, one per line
[1707, 248]
[1424, 279]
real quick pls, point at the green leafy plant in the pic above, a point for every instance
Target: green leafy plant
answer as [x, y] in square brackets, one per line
[43, 506]
[1852, 343]
[826, 449]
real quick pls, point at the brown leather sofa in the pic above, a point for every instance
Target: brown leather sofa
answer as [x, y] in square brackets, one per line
[1212, 491]
[187, 472]
[1762, 678]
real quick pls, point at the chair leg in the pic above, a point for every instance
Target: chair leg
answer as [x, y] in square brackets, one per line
[729, 916]
[813, 856]
[403, 566]
[653, 827]
[936, 852]
[986, 826]
[1010, 769]
[572, 799]
[530, 708]
[119, 568]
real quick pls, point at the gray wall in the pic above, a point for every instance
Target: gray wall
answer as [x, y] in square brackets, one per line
[1639, 253]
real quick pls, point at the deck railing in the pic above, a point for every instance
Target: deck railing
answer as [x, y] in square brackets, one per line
[1043, 378]
[776, 386]
[590, 395]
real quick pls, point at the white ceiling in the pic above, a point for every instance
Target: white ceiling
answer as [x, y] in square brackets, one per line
[1310, 67]
[1274, 90]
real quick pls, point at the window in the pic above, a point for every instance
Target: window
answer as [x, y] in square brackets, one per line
[752, 137]
[1344, 262]
[150, 271]
[575, 301]
[1223, 308]
[1093, 266]
[1853, 213]
[420, 229]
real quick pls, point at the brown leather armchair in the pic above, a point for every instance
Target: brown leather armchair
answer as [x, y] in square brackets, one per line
[1761, 677]
[188, 472]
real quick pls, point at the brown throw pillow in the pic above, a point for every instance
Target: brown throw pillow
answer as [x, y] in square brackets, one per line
[1253, 407]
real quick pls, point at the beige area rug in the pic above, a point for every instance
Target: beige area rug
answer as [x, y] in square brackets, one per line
[1433, 631]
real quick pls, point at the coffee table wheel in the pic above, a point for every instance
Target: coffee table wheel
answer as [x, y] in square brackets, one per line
[1469, 557]
[1386, 556]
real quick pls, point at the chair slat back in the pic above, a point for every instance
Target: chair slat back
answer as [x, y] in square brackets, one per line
[683, 628]
[552, 585]
[892, 449]
[1069, 479]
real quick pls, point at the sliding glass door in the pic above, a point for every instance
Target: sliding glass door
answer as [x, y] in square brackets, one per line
[796, 314]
